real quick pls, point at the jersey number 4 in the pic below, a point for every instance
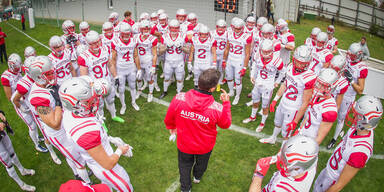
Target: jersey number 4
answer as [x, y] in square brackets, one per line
[126, 56]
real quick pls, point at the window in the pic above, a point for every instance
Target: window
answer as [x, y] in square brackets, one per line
[110, 4]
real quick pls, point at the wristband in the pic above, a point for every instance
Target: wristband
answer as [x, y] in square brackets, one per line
[276, 98]
[118, 152]
[153, 65]
[189, 62]
[257, 174]
[245, 68]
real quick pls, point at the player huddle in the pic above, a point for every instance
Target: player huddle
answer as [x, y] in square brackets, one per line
[63, 94]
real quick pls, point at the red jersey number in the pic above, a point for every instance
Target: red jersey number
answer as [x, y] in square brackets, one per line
[291, 93]
[222, 45]
[172, 50]
[63, 71]
[98, 71]
[201, 53]
[126, 56]
[142, 51]
[335, 159]
[237, 49]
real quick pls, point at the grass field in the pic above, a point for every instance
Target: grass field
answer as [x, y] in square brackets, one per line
[154, 164]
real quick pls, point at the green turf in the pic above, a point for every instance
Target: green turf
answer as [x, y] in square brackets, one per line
[154, 164]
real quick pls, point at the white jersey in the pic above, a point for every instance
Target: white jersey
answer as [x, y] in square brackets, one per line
[136, 28]
[282, 183]
[23, 87]
[144, 48]
[286, 39]
[295, 84]
[203, 50]
[237, 45]
[116, 28]
[256, 39]
[97, 64]
[249, 31]
[124, 52]
[221, 41]
[341, 86]
[310, 43]
[82, 39]
[193, 30]
[175, 53]
[10, 79]
[62, 65]
[184, 26]
[319, 58]
[353, 150]
[107, 41]
[359, 71]
[320, 111]
[332, 43]
[159, 28]
[264, 72]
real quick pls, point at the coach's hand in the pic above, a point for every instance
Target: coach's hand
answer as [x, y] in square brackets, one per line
[224, 96]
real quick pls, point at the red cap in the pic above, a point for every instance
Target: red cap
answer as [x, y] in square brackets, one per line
[79, 186]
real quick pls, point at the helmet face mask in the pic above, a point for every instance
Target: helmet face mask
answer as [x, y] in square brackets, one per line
[14, 63]
[58, 50]
[125, 36]
[49, 77]
[266, 50]
[301, 58]
[108, 32]
[174, 27]
[84, 31]
[267, 31]
[95, 46]
[321, 41]
[365, 113]
[163, 22]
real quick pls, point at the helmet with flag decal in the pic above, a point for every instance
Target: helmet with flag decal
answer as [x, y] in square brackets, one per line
[29, 51]
[365, 113]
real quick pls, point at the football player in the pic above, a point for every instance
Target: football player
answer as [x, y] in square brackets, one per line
[181, 16]
[175, 42]
[194, 26]
[237, 54]
[125, 59]
[321, 55]
[29, 51]
[154, 19]
[287, 41]
[84, 29]
[264, 71]
[311, 41]
[80, 101]
[159, 30]
[108, 34]
[296, 93]
[61, 59]
[114, 19]
[70, 37]
[296, 164]
[221, 37]
[95, 63]
[136, 26]
[47, 108]
[332, 41]
[354, 151]
[250, 25]
[203, 52]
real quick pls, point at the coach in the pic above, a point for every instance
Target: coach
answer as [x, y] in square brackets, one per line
[193, 116]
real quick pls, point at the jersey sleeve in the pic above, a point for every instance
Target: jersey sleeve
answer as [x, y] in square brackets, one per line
[154, 30]
[309, 80]
[154, 42]
[329, 116]
[81, 61]
[214, 44]
[113, 46]
[328, 58]
[357, 160]
[363, 74]
[40, 101]
[21, 89]
[291, 38]
[249, 39]
[5, 82]
[89, 140]
[280, 64]
[336, 42]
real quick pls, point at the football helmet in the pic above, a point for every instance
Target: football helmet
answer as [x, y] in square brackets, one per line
[181, 15]
[68, 27]
[108, 29]
[315, 31]
[56, 45]
[154, 17]
[365, 113]
[298, 155]
[102, 87]
[354, 53]
[27, 62]
[113, 17]
[238, 26]
[192, 18]
[251, 22]
[84, 27]
[260, 22]
[325, 83]
[282, 25]
[331, 29]
[302, 58]
[125, 31]
[321, 41]
[267, 31]
[160, 11]
[29, 51]
[203, 33]
[163, 19]
[14, 63]
[145, 27]
[337, 63]
[79, 97]
[93, 40]
[174, 27]
[42, 71]
[144, 16]
[221, 26]
[266, 49]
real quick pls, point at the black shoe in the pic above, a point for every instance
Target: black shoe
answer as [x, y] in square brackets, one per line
[41, 149]
[41, 139]
[77, 177]
[163, 95]
[331, 144]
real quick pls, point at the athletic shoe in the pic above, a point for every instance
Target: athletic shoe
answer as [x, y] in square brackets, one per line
[41, 138]
[163, 95]
[122, 110]
[157, 88]
[250, 103]
[27, 172]
[249, 119]
[341, 133]
[40, 148]
[150, 97]
[77, 177]
[236, 100]
[144, 86]
[55, 158]
[135, 106]
[26, 187]
[189, 76]
[162, 75]
[231, 93]
[118, 119]
[197, 181]
[331, 144]
[270, 140]
[260, 128]
[105, 127]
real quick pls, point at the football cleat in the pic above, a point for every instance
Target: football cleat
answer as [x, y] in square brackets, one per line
[189, 76]
[127, 88]
[197, 181]
[157, 88]
[341, 133]
[40, 148]
[144, 86]
[41, 138]
[135, 106]
[118, 119]
[236, 100]
[249, 119]
[250, 103]
[331, 144]
[55, 158]
[150, 97]
[27, 172]
[26, 187]
[269, 140]
[162, 75]
[260, 128]
[122, 110]
[163, 95]
[105, 127]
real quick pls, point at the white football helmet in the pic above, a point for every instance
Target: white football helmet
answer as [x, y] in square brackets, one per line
[266, 49]
[238, 26]
[42, 71]
[144, 16]
[325, 83]
[27, 62]
[298, 155]
[163, 19]
[203, 32]
[102, 87]
[365, 113]
[331, 29]
[93, 40]
[14, 63]
[56, 45]
[125, 31]
[145, 27]
[84, 27]
[107, 29]
[79, 97]
[251, 22]
[315, 31]
[221, 26]
[160, 11]
[29, 51]
[337, 63]
[154, 18]
[174, 27]
[260, 22]
[282, 25]
[192, 18]
[355, 54]
[181, 15]
[302, 58]
[321, 41]
[113, 17]
[267, 31]
[68, 27]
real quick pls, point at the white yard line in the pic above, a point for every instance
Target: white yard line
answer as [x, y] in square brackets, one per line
[174, 186]
[33, 39]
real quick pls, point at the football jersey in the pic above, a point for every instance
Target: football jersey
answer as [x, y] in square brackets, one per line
[354, 150]
[184, 26]
[286, 39]
[341, 86]
[107, 41]
[264, 72]
[136, 28]
[282, 183]
[237, 47]
[10, 79]
[23, 87]
[62, 65]
[194, 30]
[65, 36]
[159, 28]
[124, 52]
[82, 39]
[317, 112]
[310, 43]
[318, 60]
[144, 47]
[42, 97]
[249, 31]
[332, 43]
[97, 64]
[358, 70]
[116, 28]
[203, 50]
[256, 38]
[295, 84]
[221, 41]
[174, 53]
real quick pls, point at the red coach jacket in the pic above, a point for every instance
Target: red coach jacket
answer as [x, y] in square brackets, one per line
[195, 115]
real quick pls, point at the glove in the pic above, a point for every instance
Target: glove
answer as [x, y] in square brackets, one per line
[153, 70]
[117, 82]
[101, 87]
[242, 71]
[224, 64]
[272, 106]
[262, 165]
[348, 76]
[172, 137]
[55, 94]
[139, 74]
[129, 153]
[290, 127]
[116, 141]
[190, 67]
